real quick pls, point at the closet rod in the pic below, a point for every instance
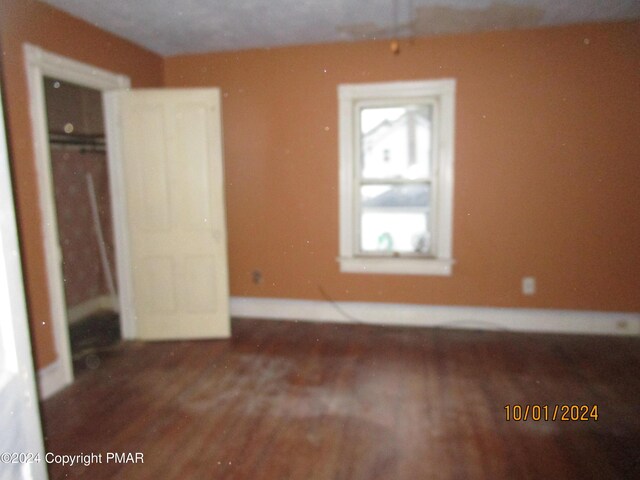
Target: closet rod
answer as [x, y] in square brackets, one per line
[81, 142]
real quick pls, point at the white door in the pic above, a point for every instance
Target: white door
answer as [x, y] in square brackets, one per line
[20, 431]
[171, 144]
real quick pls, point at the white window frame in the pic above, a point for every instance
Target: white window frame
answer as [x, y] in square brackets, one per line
[351, 98]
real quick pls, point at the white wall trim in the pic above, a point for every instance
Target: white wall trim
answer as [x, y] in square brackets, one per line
[91, 306]
[51, 379]
[119, 212]
[408, 266]
[38, 64]
[474, 318]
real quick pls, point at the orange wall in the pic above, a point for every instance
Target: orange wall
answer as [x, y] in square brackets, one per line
[547, 165]
[33, 22]
[547, 174]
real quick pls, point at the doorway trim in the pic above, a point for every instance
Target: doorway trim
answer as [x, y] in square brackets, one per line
[40, 63]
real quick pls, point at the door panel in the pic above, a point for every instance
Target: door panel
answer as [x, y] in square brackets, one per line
[151, 202]
[156, 292]
[191, 125]
[172, 163]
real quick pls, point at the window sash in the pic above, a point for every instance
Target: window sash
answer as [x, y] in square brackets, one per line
[358, 181]
[429, 211]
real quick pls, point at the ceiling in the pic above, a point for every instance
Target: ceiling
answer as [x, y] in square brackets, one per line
[170, 27]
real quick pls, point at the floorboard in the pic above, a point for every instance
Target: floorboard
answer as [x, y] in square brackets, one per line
[293, 400]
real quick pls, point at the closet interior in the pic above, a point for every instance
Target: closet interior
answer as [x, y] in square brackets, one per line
[85, 227]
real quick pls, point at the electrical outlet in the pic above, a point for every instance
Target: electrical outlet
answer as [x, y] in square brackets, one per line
[622, 325]
[256, 276]
[528, 285]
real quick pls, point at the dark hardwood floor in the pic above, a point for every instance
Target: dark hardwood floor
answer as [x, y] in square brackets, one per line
[287, 400]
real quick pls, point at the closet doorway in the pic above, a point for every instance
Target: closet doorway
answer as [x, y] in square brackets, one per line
[80, 179]
[42, 66]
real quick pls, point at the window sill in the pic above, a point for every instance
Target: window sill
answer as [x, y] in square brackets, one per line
[397, 266]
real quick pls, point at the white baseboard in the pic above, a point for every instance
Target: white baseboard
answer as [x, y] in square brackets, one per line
[91, 306]
[474, 318]
[51, 379]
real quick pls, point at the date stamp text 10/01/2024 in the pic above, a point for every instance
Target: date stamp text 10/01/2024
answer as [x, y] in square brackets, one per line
[546, 413]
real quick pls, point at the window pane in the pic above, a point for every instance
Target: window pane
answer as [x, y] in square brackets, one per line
[396, 142]
[395, 219]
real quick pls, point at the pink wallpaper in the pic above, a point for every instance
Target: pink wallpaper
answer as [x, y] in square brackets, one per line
[82, 269]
